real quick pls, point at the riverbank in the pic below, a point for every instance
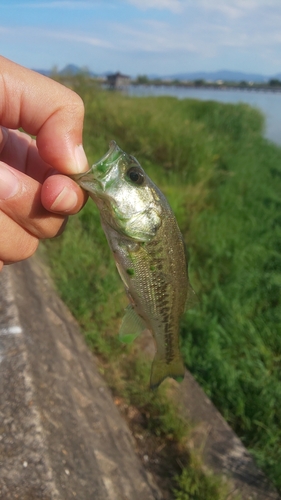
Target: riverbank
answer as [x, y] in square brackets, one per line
[269, 103]
[223, 181]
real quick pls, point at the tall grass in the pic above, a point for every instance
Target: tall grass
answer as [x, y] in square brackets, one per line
[223, 179]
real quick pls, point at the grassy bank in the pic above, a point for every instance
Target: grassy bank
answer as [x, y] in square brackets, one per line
[223, 180]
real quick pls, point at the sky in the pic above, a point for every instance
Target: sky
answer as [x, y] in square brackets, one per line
[144, 37]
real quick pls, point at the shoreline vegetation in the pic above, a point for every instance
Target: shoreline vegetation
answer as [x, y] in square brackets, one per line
[274, 85]
[223, 181]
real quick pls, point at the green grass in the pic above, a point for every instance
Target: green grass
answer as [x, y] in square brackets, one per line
[223, 181]
[194, 484]
[232, 343]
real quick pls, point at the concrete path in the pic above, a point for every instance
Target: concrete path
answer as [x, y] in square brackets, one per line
[61, 436]
[222, 450]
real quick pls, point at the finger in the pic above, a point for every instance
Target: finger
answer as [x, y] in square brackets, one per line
[20, 200]
[46, 109]
[19, 150]
[15, 242]
[62, 195]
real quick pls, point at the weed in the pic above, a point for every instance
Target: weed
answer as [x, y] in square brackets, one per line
[194, 484]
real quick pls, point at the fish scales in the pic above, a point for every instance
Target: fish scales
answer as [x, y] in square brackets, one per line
[161, 297]
[148, 248]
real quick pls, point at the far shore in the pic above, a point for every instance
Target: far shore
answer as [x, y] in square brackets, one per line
[211, 86]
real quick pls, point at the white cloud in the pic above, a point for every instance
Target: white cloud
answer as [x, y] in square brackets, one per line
[38, 33]
[153, 36]
[171, 5]
[89, 40]
[232, 9]
[207, 36]
[59, 4]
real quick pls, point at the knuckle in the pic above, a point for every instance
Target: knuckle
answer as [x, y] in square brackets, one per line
[16, 243]
[25, 248]
[50, 228]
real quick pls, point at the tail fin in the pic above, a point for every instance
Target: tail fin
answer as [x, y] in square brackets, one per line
[161, 369]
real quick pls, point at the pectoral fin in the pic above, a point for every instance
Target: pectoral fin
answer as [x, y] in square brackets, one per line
[161, 370]
[132, 325]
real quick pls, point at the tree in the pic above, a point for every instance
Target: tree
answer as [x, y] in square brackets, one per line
[274, 82]
[142, 79]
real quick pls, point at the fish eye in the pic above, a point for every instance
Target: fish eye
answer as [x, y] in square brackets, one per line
[135, 175]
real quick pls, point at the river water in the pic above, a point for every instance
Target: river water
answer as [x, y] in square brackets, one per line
[269, 103]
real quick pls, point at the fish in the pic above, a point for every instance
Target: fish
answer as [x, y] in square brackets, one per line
[149, 253]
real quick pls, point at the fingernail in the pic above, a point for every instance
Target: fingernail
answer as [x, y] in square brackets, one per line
[81, 159]
[65, 201]
[9, 183]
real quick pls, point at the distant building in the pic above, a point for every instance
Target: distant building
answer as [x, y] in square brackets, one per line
[118, 81]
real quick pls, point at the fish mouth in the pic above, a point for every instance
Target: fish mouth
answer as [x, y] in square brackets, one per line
[95, 176]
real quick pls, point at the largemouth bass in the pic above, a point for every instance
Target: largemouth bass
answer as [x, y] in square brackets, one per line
[148, 249]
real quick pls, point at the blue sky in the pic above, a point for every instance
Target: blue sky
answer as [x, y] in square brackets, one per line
[136, 37]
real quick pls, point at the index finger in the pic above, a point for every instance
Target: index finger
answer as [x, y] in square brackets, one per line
[46, 109]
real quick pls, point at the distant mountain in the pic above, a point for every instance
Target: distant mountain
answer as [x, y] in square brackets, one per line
[45, 72]
[225, 75]
[70, 69]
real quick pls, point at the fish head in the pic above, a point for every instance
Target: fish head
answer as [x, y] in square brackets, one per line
[128, 200]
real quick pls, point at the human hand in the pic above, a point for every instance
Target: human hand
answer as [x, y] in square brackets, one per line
[34, 203]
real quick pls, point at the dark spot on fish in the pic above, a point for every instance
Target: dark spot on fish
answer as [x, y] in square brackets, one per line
[130, 272]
